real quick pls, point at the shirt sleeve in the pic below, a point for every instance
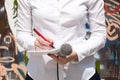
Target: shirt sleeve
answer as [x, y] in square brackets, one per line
[24, 25]
[98, 30]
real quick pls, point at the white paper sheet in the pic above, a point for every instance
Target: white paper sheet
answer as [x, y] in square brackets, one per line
[43, 52]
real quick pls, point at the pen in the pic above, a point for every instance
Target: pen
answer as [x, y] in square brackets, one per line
[36, 31]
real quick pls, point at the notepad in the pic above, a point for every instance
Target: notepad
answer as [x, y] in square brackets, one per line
[43, 52]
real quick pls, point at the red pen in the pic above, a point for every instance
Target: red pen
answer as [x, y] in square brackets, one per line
[36, 31]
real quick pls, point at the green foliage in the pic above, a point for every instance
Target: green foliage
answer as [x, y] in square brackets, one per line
[25, 58]
[98, 66]
[15, 7]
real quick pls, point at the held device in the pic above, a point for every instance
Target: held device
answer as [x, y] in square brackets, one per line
[65, 49]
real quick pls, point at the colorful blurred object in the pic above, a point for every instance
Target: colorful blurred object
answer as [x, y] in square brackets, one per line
[12, 66]
[109, 56]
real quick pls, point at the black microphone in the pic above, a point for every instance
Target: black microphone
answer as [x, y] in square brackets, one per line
[65, 49]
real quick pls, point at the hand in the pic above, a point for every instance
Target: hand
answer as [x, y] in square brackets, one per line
[64, 59]
[41, 44]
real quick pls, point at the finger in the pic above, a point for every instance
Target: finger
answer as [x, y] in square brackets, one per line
[63, 59]
[59, 59]
[37, 44]
[41, 46]
[54, 57]
[50, 41]
[38, 48]
[42, 41]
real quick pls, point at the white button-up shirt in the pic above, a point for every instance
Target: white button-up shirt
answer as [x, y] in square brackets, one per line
[64, 22]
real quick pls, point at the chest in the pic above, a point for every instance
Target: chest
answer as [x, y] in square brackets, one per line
[54, 8]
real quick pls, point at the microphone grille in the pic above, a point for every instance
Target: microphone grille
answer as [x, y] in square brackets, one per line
[65, 49]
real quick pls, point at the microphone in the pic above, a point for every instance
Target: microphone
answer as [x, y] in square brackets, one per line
[65, 49]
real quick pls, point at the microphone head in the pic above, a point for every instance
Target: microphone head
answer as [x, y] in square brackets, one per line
[65, 49]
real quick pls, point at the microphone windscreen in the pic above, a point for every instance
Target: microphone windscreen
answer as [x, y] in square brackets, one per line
[65, 49]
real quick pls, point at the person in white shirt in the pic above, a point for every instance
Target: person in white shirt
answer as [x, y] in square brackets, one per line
[61, 21]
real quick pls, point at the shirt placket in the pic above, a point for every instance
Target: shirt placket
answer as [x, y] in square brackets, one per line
[59, 28]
